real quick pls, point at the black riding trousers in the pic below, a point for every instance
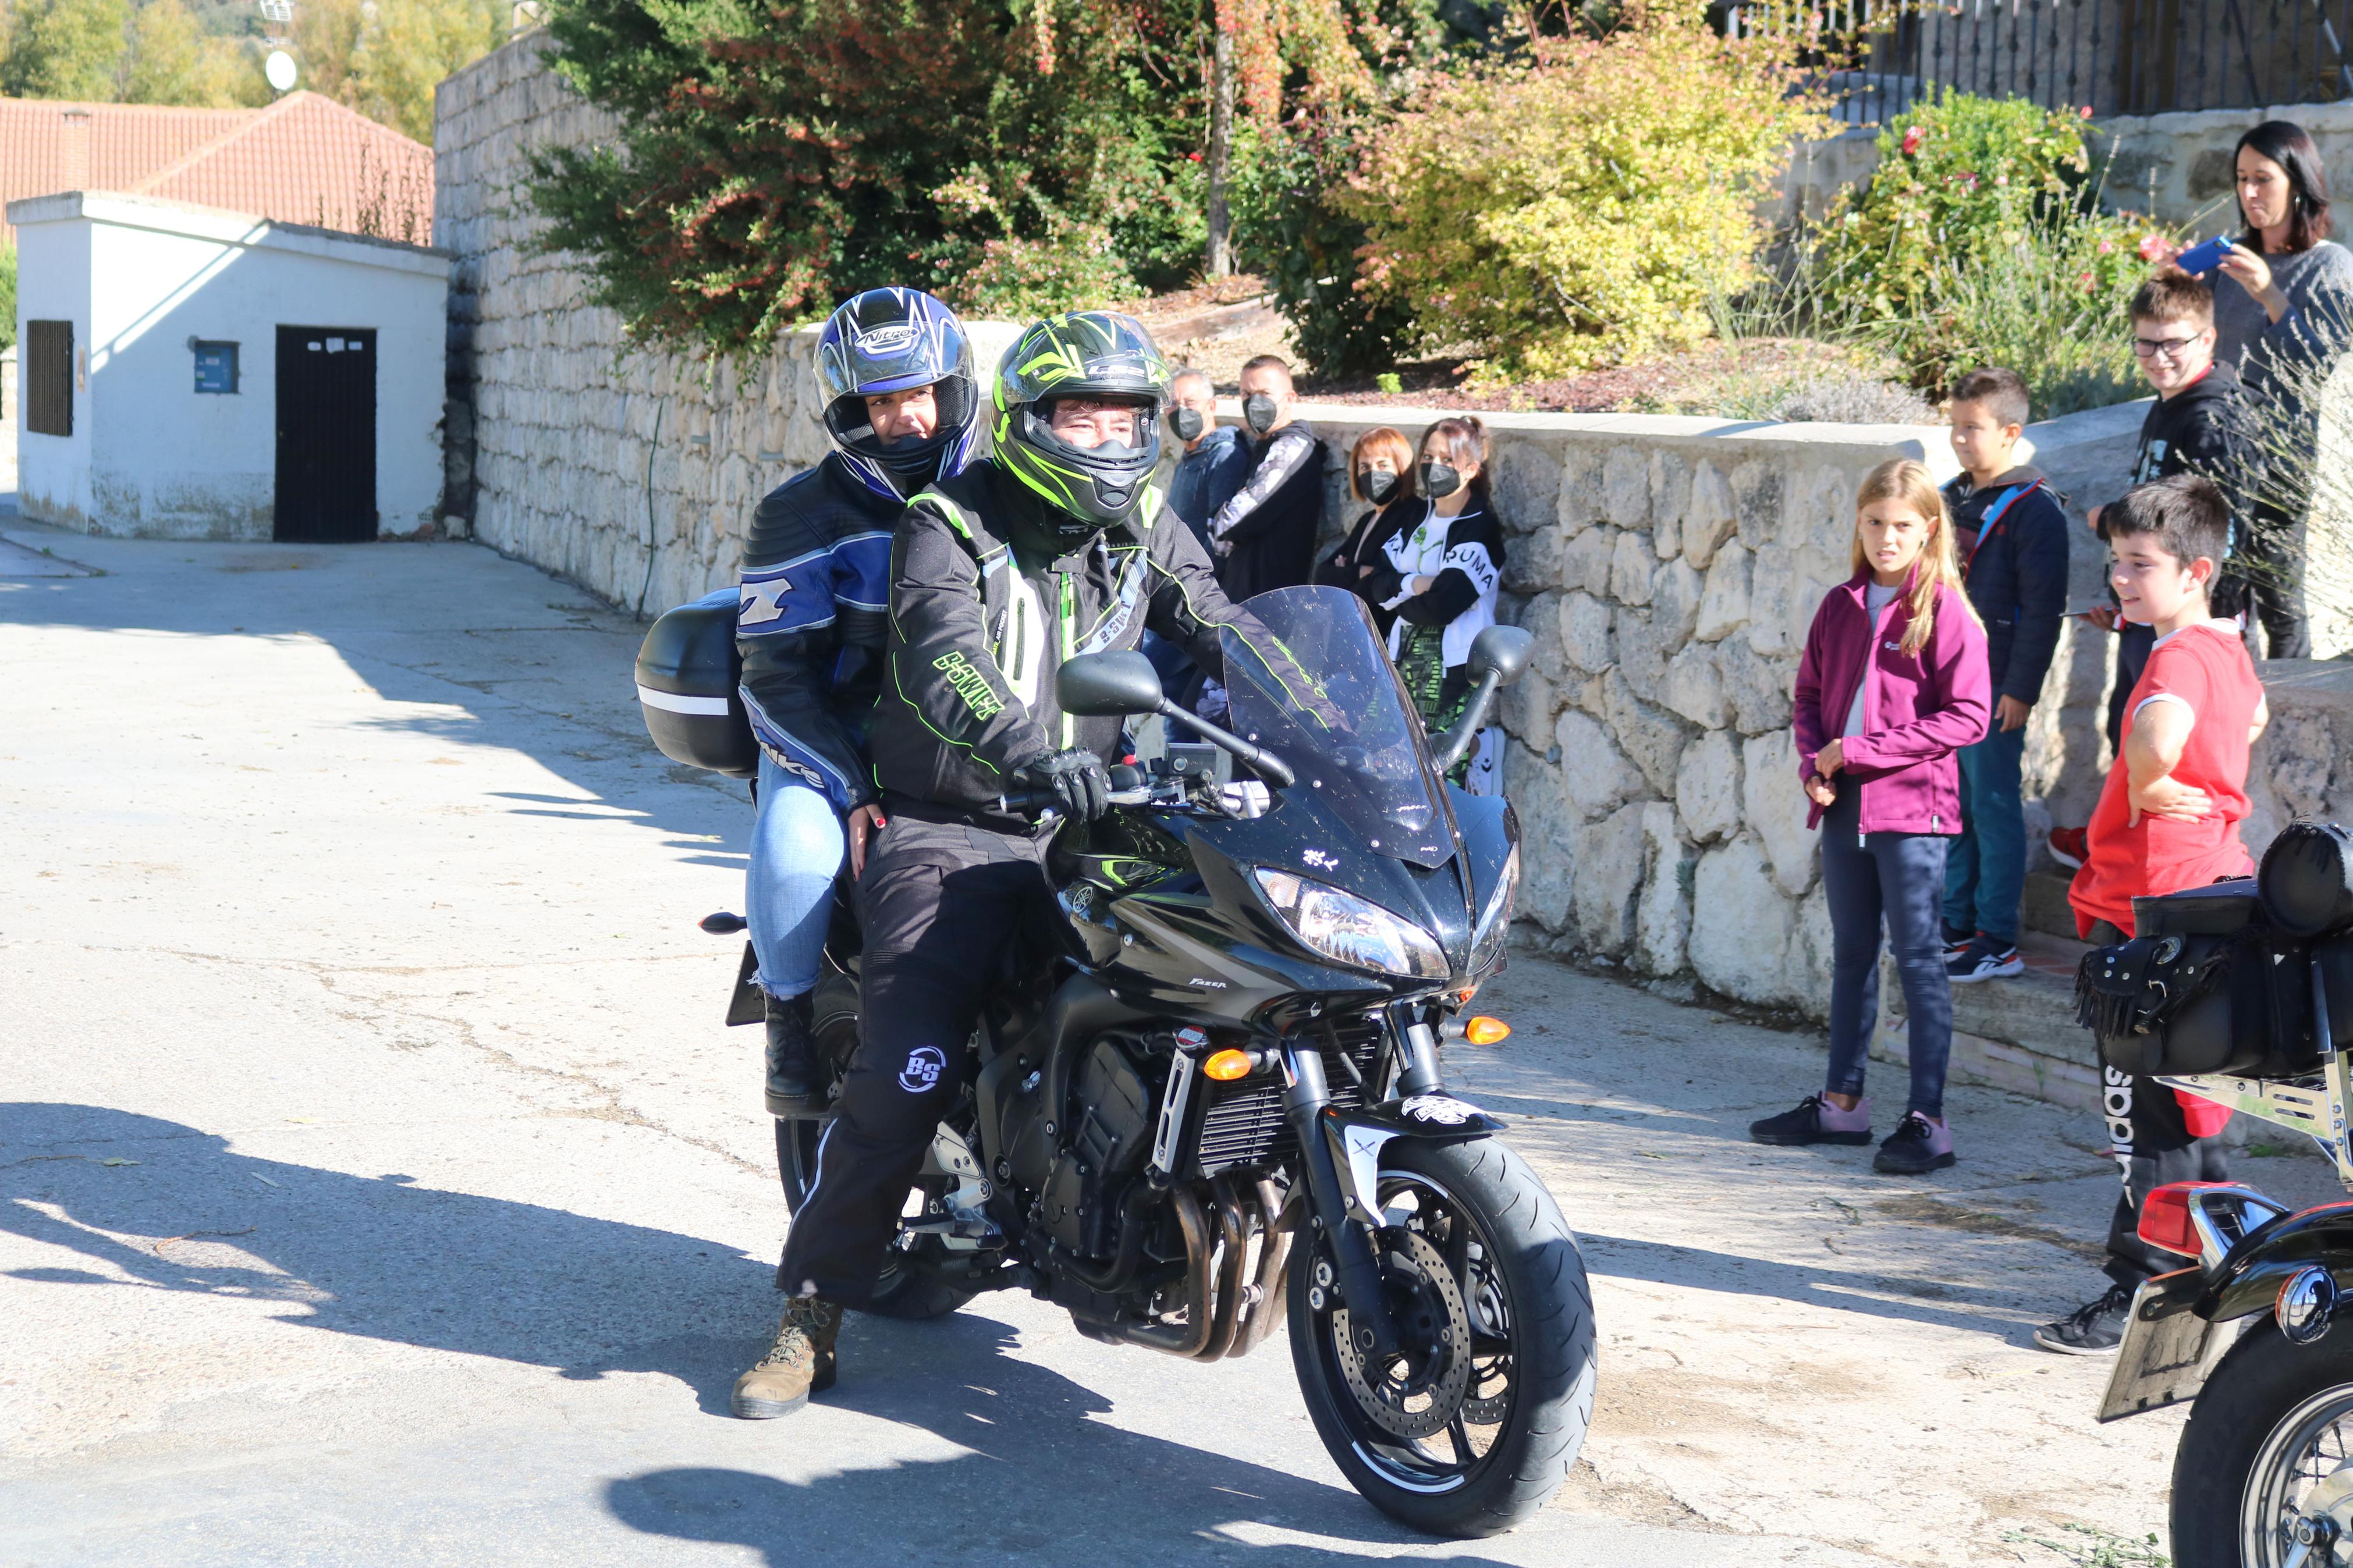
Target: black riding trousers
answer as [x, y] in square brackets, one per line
[939, 904]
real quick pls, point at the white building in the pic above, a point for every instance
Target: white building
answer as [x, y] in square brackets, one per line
[188, 372]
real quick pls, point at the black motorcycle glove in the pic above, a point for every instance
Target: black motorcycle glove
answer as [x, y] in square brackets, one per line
[1075, 778]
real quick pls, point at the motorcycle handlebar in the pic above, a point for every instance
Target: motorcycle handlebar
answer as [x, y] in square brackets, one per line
[1037, 803]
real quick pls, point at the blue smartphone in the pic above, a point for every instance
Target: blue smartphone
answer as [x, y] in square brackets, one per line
[2199, 259]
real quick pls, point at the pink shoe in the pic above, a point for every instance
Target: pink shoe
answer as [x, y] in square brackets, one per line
[1816, 1120]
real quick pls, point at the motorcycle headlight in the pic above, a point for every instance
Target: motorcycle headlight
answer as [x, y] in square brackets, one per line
[1495, 920]
[1347, 929]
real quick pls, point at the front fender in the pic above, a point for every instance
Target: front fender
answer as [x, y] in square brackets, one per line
[2249, 1279]
[1358, 1138]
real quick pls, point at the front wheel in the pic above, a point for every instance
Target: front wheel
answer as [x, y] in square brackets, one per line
[2263, 1477]
[1477, 1423]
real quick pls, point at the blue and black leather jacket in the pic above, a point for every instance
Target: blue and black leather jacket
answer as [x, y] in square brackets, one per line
[810, 619]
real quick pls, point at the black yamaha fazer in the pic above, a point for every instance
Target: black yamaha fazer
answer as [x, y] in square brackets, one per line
[1211, 1097]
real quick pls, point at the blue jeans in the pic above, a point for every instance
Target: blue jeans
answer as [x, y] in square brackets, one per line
[797, 844]
[1987, 869]
[1892, 877]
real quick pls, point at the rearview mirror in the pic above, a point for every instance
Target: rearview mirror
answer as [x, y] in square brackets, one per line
[1501, 651]
[1109, 685]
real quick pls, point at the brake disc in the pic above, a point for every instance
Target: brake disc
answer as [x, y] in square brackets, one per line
[1418, 1394]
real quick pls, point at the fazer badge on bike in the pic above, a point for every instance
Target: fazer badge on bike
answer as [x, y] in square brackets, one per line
[2242, 992]
[1209, 1099]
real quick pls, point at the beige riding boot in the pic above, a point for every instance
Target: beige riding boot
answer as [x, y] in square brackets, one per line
[798, 1364]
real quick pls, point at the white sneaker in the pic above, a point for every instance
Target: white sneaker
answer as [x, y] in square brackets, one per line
[1983, 959]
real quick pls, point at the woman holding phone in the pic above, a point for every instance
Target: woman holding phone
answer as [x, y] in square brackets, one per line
[2281, 327]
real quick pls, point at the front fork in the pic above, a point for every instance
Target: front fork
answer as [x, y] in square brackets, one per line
[1347, 1223]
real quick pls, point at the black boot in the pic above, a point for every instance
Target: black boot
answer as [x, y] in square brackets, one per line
[793, 1086]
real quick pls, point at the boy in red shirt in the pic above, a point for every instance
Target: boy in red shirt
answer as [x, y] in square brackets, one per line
[2167, 820]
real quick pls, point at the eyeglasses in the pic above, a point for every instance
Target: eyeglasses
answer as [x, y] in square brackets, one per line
[2164, 347]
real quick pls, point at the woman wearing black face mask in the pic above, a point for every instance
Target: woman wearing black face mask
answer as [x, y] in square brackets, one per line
[1441, 567]
[1381, 470]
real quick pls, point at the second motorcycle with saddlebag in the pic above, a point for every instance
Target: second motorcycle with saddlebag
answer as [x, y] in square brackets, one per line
[1207, 1103]
[2242, 992]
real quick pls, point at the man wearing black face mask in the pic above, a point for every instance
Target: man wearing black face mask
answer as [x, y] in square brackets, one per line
[1265, 536]
[1213, 461]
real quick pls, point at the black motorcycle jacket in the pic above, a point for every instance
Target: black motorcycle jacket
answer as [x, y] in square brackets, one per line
[810, 623]
[981, 617]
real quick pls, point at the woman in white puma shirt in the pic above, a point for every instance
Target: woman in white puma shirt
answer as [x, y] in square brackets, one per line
[1444, 564]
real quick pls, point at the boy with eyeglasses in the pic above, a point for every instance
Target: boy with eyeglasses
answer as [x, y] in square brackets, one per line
[2197, 425]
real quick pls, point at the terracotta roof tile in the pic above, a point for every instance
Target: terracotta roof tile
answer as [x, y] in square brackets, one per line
[304, 159]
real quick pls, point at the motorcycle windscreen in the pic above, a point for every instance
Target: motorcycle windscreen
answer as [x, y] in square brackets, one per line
[1307, 678]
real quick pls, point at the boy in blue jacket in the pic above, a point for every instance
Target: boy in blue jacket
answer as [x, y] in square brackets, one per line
[2011, 536]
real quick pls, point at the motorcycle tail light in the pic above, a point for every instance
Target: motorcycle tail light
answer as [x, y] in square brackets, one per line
[2165, 1221]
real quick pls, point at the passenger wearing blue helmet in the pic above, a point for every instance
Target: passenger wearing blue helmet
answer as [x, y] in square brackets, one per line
[902, 411]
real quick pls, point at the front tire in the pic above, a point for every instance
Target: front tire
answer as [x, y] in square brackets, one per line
[1468, 1434]
[2265, 1452]
[898, 1292]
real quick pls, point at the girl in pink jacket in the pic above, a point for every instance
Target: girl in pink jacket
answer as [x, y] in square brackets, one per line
[1893, 683]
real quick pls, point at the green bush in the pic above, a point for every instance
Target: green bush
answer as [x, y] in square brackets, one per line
[1073, 267]
[1961, 181]
[2052, 309]
[778, 156]
[1287, 229]
[7, 297]
[1582, 203]
[1979, 240]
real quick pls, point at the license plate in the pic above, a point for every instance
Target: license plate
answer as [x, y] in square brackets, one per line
[749, 1004]
[2168, 1349]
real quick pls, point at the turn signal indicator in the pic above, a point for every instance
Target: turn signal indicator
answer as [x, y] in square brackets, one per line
[1484, 1030]
[1228, 1065]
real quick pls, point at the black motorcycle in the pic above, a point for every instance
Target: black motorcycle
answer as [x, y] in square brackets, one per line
[1210, 1097]
[2242, 992]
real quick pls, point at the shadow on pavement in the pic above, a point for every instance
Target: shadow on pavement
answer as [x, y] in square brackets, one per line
[1043, 1477]
[382, 1258]
[1699, 1268]
[375, 1257]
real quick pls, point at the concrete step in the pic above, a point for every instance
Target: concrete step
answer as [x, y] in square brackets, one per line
[2042, 905]
[2018, 1032]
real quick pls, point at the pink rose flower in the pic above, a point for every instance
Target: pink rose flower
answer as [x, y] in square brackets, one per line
[2153, 248]
[1913, 137]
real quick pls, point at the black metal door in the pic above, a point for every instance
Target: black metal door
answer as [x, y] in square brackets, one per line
[326, 433]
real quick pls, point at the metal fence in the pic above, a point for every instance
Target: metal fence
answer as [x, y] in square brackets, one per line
[2112, 56]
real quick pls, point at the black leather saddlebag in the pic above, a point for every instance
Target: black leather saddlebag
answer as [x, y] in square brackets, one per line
[687, 673]
[2306, 880]
[2211, 985]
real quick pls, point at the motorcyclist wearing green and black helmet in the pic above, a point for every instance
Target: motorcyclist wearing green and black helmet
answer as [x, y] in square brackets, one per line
[1057, 544]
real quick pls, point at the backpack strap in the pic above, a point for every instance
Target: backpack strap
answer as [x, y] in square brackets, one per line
[2002, 504]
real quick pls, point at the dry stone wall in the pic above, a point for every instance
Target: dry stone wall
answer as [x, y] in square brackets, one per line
[628, 470]
[1668, 567]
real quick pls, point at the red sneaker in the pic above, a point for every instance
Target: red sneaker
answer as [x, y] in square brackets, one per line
[2071, 846]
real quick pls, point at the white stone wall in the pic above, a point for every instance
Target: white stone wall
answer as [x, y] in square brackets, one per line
[1669, 568]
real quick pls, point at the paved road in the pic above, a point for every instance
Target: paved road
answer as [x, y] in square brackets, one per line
[376, 1185]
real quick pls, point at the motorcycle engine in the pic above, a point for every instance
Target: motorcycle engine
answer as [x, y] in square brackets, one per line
[1111, 1133]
